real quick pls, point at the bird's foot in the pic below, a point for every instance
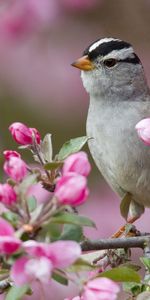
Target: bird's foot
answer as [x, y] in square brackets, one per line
[126, 229]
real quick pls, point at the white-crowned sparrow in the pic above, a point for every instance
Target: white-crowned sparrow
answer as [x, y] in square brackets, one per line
[119, 98]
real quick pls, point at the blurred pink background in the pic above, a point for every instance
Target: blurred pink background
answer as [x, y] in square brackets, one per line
[39, 39]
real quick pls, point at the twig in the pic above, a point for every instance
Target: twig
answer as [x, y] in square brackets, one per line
[103, 244]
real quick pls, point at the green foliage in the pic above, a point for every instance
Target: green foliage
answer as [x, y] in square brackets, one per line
[32, 203]
[71, 232]
[69, 218]
[121, 274]
[16, 293]
[72, 146]
[60, 277]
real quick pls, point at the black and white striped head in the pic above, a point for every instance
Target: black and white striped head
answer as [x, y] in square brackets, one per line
[109, 63]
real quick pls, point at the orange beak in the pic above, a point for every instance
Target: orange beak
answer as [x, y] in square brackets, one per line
[83, 63]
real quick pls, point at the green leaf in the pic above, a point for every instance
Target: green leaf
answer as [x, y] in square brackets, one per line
[16, 293]
[71, 232]
[146, 262]
[10, 217]
[132, 287]
[81, 265]
[27, 182]
[51, 231]
[53, 165]
[124, 206]
[68, 218]
[32, 203]
[46, 147]
[59, 277]
[122, 274]
[72, 146]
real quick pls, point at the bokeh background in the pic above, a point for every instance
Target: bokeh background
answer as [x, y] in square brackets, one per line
[39, 39]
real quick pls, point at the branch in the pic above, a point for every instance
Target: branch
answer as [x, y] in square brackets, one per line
[103, 244]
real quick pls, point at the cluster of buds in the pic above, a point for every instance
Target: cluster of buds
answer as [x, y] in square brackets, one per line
[67, 173]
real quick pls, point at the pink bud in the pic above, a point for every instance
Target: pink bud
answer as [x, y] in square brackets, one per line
[7, 194]
[22, 134]
[77, 162]
[16, 168]
[71, 189]
[26, 270]
[101, 288]
[8, 242]
[143, 130]
[9, 153]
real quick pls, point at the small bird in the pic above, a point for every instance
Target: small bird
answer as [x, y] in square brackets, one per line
[113, 76]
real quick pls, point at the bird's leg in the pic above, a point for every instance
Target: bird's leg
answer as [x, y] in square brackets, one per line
[122, 229]
[135, 211]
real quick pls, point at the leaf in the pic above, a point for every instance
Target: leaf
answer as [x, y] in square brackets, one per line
[47, 148]
[50, 231]
[72, 146]
[60, 277]
[146, 262]
[68, 218]
[124, 206]
[27, 182]
[81, 265]
[53, 165]
[16, 293]
[10, 217]
[71, 232]
[122, 274]
[32, 203]
[132, 287]
[131, 266]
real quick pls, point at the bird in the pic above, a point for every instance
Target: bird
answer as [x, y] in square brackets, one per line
[113, 76]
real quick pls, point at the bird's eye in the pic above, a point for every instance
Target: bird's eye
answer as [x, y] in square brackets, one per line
[110, 62]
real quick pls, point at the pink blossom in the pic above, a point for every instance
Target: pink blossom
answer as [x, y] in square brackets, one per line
[8, 242]
[71, 189]
[70, 249]
[10, 153]
[26, 270]
[24, 135]
[143, 130]
[7, 194]
[27, 16]
[16, 168]
[100, 289]
[77, 162]
[74, 298]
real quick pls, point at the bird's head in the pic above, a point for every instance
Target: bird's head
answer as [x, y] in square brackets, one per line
[110, 64]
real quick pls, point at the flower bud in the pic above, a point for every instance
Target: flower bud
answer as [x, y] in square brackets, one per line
[24, 135]
[10, 153]
[143, 130]
[16, 168]
[77, 162]
[100, 288]
[7, 194]
[71, 189]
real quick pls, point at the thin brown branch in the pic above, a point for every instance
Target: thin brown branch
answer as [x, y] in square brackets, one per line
[103, 244]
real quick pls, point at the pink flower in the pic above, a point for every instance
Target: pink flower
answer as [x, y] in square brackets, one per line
[10, 153]
[71, 189]
[8, 242]
[70, 249]
[26, 270]
[74, 298]
[143, 130]
[44, 258]
[27, 16]
[100, 289]
[16, 168]
[77, 162]
[24, 135]
[7, 194]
